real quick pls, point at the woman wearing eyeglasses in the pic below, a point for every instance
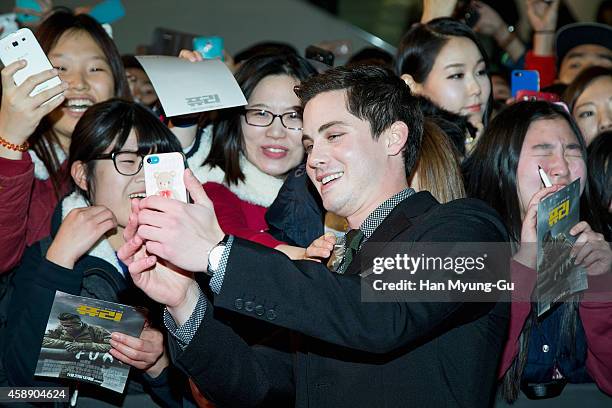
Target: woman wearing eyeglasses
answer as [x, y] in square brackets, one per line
[254, 147]
[79, 257]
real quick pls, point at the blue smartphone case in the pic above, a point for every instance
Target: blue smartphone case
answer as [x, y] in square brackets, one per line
[525, 80]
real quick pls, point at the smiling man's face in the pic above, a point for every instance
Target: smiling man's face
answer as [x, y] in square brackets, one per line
[345, 163]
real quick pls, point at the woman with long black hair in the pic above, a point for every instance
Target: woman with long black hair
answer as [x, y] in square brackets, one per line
[571, 342]
[445, 62]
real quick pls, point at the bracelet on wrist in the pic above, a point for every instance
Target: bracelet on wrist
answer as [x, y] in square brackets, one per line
[508, 38]
[17, 148]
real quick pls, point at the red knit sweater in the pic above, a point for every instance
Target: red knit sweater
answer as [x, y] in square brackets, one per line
[26, 207]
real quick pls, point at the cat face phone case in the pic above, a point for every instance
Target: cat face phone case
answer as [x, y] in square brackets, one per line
[164, 175]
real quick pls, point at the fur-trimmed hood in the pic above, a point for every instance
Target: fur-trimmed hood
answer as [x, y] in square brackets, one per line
[40, 170]
[258, 188]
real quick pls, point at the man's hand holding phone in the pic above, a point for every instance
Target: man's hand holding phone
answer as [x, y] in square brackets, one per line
[177, 232]
[162, 282]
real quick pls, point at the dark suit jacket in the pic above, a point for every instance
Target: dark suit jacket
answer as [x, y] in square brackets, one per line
[347, 353]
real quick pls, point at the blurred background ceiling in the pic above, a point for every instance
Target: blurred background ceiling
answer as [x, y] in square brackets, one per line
[299, 22]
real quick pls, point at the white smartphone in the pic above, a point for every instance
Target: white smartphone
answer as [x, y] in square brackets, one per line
[22, 45]
[164, 175]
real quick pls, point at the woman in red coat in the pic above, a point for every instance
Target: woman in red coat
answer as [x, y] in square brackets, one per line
[35, 137]
[254, 147]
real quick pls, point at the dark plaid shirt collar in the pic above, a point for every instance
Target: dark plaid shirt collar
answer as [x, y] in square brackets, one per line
[377, 216]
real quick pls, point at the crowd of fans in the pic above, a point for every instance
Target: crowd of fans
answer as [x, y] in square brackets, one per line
[71, 183]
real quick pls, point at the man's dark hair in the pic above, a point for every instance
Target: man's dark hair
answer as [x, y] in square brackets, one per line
[374, 94]
[64, 317]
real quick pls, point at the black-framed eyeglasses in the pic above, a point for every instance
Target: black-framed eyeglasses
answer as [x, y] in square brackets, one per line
[264, 118]
[126, 163]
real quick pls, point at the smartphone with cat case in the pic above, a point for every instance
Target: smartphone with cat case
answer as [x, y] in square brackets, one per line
[164, 175]
[22, 45]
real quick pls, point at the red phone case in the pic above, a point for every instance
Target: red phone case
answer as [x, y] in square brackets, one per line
[525, 95]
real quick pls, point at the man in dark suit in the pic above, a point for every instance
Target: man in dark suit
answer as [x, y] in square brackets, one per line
[362, 132]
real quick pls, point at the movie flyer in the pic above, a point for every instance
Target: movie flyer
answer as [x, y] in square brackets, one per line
[76, 343]
[558, 277]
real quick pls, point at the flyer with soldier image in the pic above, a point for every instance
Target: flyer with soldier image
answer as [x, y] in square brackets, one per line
[558, 277]
[76, 343]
